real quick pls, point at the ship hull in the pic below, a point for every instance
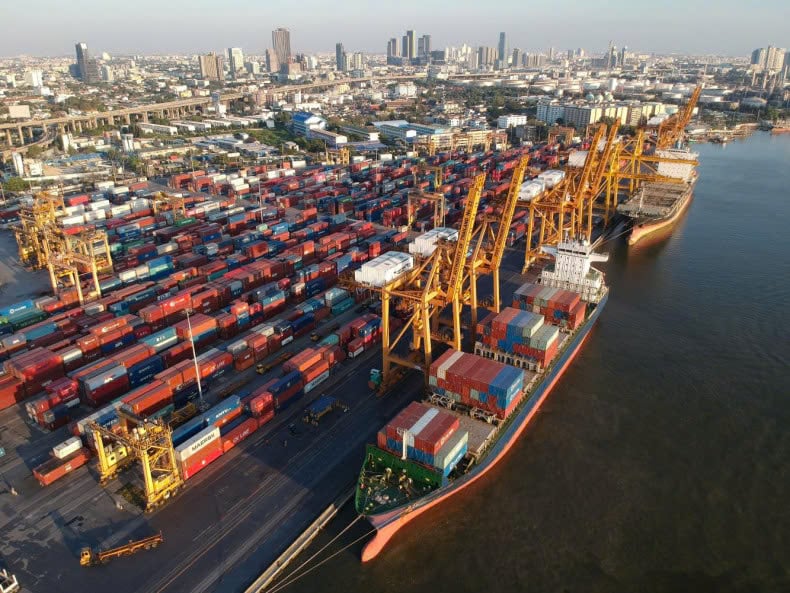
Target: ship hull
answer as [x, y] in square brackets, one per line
[650, 227]
[387, 524]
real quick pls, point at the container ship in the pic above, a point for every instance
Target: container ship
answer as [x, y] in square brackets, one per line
[658, 205]
[479, 404]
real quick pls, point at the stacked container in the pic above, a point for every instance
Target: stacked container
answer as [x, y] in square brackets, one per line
[477, 382]
[431, 436]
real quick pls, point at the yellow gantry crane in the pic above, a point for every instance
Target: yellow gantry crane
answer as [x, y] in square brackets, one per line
[338, 156]
[31, 231]
[137, 439]
[672, 130]
[416, 198]
[566, 208]
[434, 284]
[162, 202]
[491, 240]
[69, 255]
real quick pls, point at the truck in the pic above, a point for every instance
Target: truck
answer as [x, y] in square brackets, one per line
[264, 367]
[321, 407]
[90, 557]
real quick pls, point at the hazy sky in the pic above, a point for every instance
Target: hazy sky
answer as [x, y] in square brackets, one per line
[51, 27]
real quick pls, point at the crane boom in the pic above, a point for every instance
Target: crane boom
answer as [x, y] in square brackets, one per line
[508, 210]
[464, 237]
[670, 131]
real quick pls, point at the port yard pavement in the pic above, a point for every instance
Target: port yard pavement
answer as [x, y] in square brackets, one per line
[224, 529]
[16, 284]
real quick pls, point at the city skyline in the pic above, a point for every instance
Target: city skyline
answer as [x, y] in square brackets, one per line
[734, 28]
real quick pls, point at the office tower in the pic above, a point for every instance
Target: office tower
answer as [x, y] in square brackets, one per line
[272, 63]
[87, 67]
[281, 42]
[758, 57]
[551, 54]
[774, 58]
[235, 60]
[339, 52]
[423, 46]
[107, 75]
[623, 55]
[502, 53]
[393, 48]
[411, 45]
[252, 68]
[211, 67]
[570, 55]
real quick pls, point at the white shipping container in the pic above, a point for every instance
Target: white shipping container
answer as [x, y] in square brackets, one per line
[96, 215]
[384, 269]
[105, 377]
[71, 355]
[67, 221]
[425, 244]
[93, 309]
[102, 185]
[201, 440]
[72, 210]
[67, 447]
[167, 248]
[121, 189]
[120, 210]
[128, 276]
[99, 205]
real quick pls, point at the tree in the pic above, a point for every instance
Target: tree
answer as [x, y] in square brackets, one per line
[15, 185]
[34, 151]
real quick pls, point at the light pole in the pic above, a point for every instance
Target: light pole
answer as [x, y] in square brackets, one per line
[202, 403]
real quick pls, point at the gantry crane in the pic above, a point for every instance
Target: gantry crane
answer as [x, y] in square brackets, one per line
[30, 232]
[162, 202]
[147, 441]
[416, 197]
[672, 130]
[434, 284]
[338, 156]
[69, 255]
[491, 240]
[566, 208]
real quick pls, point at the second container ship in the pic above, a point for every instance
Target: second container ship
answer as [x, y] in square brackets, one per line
[479, 404]
[659, 204]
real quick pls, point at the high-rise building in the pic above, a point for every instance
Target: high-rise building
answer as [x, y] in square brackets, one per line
[623, 56]
[107, 75]
[357, 61]
[551, 54]
[281, 42]
[252, 68]
[769, 59]
[339, 57]
[34, 78]
[87, 67]
[515, 59]
[211, 67]
[404, 46]
[272, 63]
[393, 48]
[502, 49]
[486, 56]
[423, 46]
[411, 45]
[235, 60]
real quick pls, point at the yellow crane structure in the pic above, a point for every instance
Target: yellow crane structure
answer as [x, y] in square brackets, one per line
[462, 140]
[672, 130]
[30, 234]
[338, 156]
[150, 443]
[162, 202]
[417, 197]
[423, 292]
[567, 208]
[491, 240]
[69, 255]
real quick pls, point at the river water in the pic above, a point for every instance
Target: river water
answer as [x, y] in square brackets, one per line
[661, 461]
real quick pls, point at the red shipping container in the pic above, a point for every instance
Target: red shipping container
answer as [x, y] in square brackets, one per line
[55, 468]
[238, 434]
[193, 464]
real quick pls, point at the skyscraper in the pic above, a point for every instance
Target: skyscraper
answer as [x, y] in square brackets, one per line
[87, 67]
[393, 49]
[424, 46]
[211, 67]
[502, 53]
[404, 52]
[515, 60]
[272, 63]
[339, 60]
[235, 60]
[411, 37]
[281, 42]
[623, 55]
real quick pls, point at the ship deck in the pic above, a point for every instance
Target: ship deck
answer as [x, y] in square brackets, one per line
[654, 199]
